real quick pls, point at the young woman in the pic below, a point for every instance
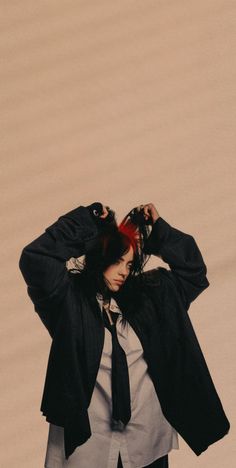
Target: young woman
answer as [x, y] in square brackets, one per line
[125, 372]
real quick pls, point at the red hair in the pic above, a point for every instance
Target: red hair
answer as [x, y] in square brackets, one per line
[130, 231]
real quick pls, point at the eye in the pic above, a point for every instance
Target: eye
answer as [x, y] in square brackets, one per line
[129, 265]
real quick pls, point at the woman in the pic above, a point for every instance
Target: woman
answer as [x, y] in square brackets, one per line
[125, 372]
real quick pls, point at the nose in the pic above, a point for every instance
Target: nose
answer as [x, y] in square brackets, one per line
[123, 270]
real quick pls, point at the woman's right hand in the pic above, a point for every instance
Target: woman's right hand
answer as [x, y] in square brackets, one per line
[105, 211]
[102, 214]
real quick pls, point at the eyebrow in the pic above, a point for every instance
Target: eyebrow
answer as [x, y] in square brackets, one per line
[130, 261]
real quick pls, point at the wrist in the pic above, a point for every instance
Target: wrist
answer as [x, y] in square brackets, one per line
[155, 218]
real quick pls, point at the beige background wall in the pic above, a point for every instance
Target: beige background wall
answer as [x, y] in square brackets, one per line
[123, 102]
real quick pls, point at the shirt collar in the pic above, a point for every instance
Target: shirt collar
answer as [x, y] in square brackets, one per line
[113, 304]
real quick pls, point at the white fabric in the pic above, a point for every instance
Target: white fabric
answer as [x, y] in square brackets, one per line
[147, 436]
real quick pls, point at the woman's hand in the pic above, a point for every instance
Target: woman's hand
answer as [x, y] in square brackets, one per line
[98, 210]
[149, 211]
[104, 211]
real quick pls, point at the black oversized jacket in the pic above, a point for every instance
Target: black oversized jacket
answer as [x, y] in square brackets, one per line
[176, 364]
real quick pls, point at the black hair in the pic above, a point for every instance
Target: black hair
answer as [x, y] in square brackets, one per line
[111, 244]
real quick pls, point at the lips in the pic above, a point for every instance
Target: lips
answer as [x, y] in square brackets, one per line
[119, 282]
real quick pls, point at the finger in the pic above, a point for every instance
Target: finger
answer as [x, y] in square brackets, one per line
[146, 212]
[105, 212]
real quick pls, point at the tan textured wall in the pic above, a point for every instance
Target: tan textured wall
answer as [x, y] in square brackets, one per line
[123, 102]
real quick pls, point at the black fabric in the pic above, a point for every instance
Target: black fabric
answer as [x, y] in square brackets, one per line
[121, 410]
[96, 210]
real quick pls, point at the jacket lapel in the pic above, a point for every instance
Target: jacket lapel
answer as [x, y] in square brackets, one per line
[93, 340]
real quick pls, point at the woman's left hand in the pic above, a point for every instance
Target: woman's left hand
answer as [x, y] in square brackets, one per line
[149, 211]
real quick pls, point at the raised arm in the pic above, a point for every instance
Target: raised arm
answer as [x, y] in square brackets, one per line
[180, 251]
[43, 261]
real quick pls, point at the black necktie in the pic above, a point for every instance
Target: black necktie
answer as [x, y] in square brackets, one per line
[119, 375]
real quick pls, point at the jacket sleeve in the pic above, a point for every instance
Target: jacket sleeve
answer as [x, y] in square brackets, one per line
[180, 251]
[43, 261]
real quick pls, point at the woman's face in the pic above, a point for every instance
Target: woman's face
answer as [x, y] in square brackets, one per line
[116, 274]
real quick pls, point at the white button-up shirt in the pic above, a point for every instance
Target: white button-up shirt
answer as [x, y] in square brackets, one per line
[147, 436]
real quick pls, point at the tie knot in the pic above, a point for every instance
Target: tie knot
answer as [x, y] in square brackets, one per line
[114, 316]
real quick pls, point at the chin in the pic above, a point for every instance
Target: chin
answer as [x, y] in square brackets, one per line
[116, 287]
